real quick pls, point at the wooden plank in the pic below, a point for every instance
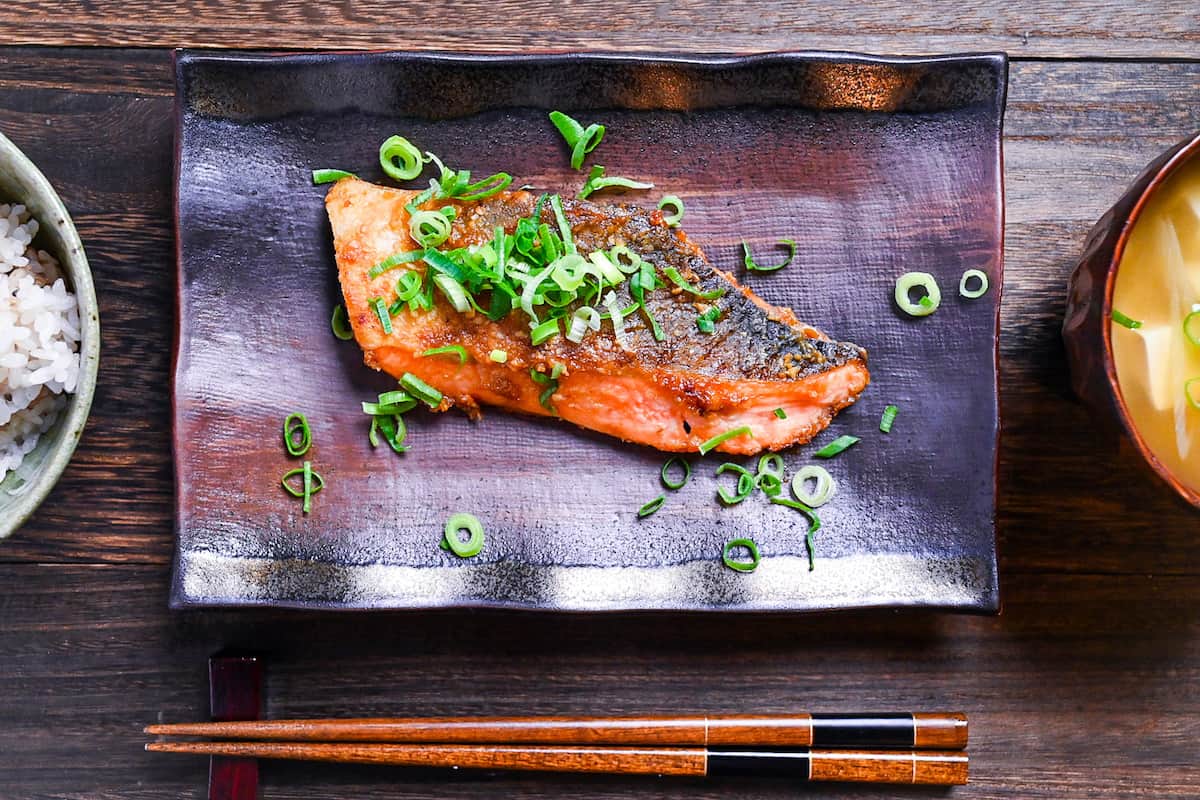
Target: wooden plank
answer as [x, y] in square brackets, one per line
[1076, 133]
[93, 654]
[1033, 28]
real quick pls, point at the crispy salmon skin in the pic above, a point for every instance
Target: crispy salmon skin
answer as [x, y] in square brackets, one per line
[672, 394]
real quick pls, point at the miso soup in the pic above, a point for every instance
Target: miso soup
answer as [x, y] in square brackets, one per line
[1158, 285]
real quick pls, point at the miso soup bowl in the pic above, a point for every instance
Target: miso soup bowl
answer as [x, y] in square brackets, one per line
[1087, 329]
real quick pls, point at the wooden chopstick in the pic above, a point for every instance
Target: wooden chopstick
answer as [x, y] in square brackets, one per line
[859, 766]
[933, 731]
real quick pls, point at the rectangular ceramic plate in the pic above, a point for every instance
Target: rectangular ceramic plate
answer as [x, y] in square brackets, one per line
[874, 166]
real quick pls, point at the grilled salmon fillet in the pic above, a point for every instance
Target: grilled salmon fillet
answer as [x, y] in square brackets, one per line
[672, 394]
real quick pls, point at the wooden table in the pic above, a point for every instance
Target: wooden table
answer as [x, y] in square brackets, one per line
[1087, 686]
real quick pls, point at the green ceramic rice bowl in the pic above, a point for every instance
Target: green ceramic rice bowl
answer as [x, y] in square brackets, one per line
[23, 489]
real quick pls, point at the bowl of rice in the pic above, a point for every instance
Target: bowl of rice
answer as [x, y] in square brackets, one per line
[49, 337]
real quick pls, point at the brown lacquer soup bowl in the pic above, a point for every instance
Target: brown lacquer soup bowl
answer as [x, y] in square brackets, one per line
[1087, 329]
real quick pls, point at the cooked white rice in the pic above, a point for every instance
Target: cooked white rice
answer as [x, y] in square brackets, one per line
[39, 338]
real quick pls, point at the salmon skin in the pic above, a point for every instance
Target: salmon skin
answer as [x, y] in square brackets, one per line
[672, 394]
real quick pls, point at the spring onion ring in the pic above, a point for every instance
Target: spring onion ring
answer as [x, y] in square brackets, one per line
[814, 525]
[421, 390]
[1192, 394]
[311, 483]
[652, 506]
[914, 280]
[825, 487]
[666, 469]
[296, 423]
[584, 318]
[456, 350]
[394, 431]
[838, 445]
[340, 323]
[381, 311]
[721, 438]
[753, 266]
[678, 280]
[429, 228]
[463, 522]
[745, 484]
[770, 483]
[772, 463]
[400, 159]
[596, 181]
[393, 261]
[889, 416]
[1191, 327]
[676, 205]
[498, 356]
[544, 330]
[972, 294]
[625, 259]
[320, 176]
[741, 566]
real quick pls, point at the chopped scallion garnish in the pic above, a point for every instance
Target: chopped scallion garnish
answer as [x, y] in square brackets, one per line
[652, 506]
[678, 280]
[1191, 390]
[400, 159]
[980, 290]
[544, 331]
[838, 445]
[745, 484]
[721, 438]
[564, 230]
[421, 390]
[823, 490]
[580, 140]
[381, 311]
[754, 266]
[928, 303]
[814, 525]
[456, 350]
[340, 323]
[320, 176]
[499, 356]
[741, 566]
[296, 423]
[394, 261]
[596, 181]
[889, 416]
[311, 483]
[705, 321]
[393, 429]
[676, 205]
[672, 483]
[429, 228]
[780, 413]
[473, 544]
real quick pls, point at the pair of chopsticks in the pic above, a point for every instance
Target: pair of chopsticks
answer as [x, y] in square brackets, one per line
[911, 748]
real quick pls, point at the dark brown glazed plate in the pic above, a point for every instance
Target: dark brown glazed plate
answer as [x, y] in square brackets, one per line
[875, 166]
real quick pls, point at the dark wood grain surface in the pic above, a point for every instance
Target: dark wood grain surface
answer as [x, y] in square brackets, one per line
[1087, 686]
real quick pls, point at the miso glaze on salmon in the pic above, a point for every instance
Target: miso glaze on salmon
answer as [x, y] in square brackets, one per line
[672, 394]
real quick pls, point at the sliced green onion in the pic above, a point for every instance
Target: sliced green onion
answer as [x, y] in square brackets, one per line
[445, 265]
[652, 506]
[1192, 395]
[373, 433]
[780, 413]
[394, 261]
[770, 483]
[814, 525]
[1128, 322]
[913, 280]
[393, 429]
[669, 482]
[449, 350]
[421, 390]
[400, 159]
[825, 487]
[544, 331]
[381, 311]
[320, 176]
[838, 445]
[625, 259]
[676, 205]
[745, 484]
[609, 269]
[741, 566]
[296, 423]
[596, 182]
[312, 482]
[1191, 327]
[429, 228]
[499, 356]
[340, 323]
[618, 320]
[754, 266]
[721, 438]
[492, 184]
[771, 463]
[463, 522]
[579, 139]
[584, 318]
[678, 280]
[705, 321]
[889, 416]
[408, 286]
[397, 397]
[454, 292]
[972, 294]
[564, 229]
